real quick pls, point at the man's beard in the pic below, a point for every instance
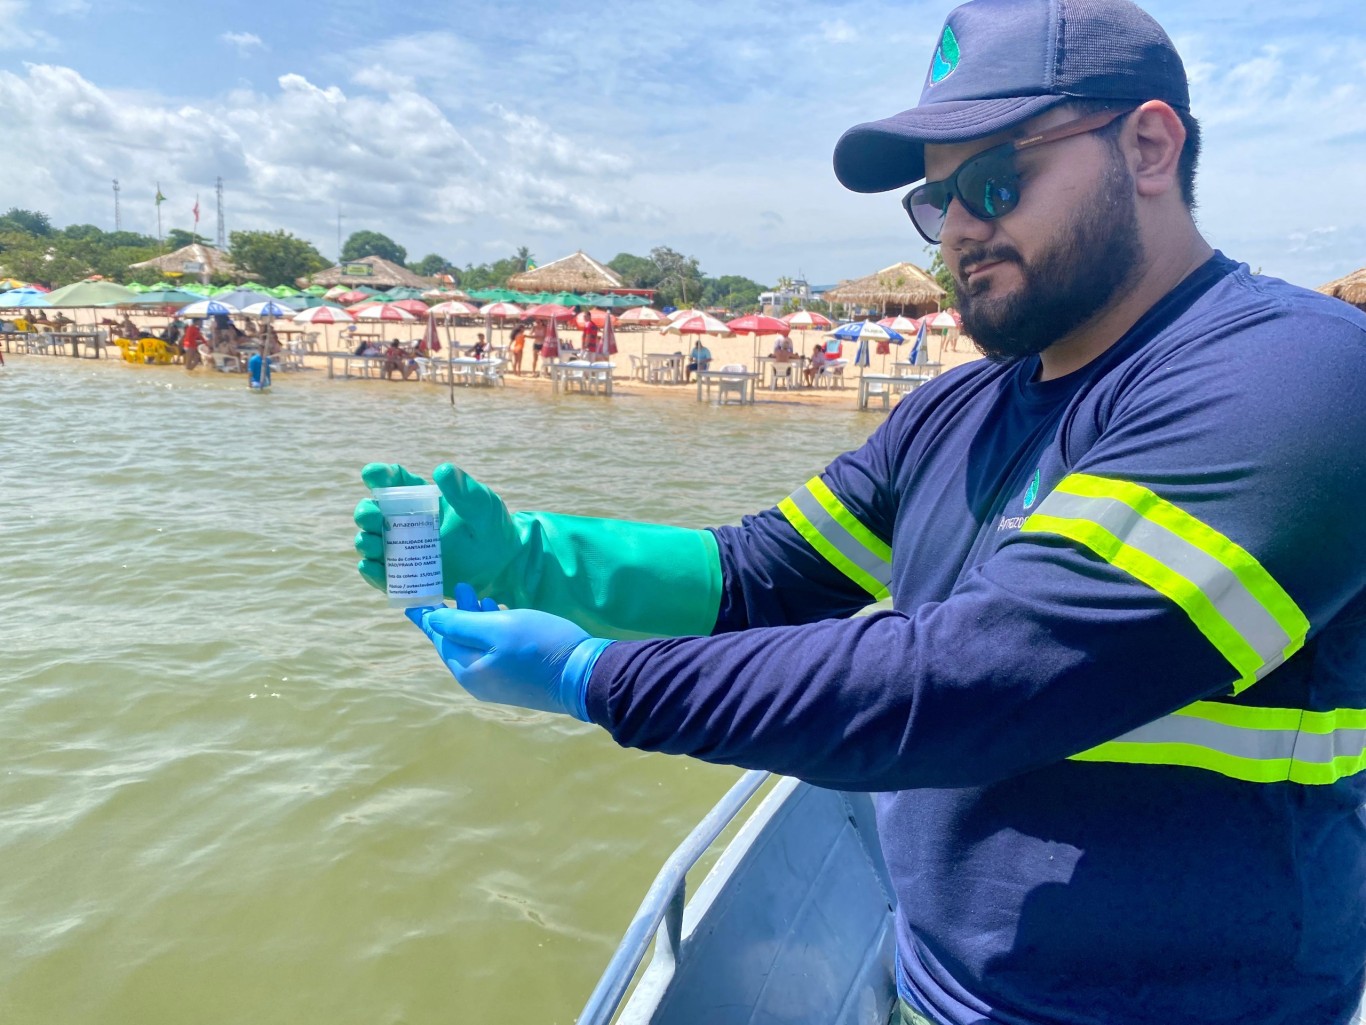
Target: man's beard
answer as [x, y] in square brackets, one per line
[1070, 281]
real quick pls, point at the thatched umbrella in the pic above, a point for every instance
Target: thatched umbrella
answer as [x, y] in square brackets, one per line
[903, 285]
[1350, 289]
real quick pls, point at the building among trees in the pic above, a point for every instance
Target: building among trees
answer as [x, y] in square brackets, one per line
[370, 270]
[195, 261]
[901, 289]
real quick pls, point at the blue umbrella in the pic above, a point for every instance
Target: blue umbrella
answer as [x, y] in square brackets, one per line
[863, 357]
[207, 308]
[22, 297]
[858, 330]
[918, 346]
[268, 309]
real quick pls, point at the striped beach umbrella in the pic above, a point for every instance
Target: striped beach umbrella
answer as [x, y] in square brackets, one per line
[323, 315]
[267, 309]
[501, 310]
[207, 308]
[804, 319]
[390, 313]
[455, 308]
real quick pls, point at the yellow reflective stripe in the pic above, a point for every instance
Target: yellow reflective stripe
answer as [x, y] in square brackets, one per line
[1181, 523]
[1255, 745]
[1147, 570]
[1228, 594]
[833, 555]
[847, 520]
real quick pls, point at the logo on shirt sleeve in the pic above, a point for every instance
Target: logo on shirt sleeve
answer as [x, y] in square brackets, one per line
[1032, 492]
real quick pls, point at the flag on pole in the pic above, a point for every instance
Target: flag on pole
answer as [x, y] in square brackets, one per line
[530, 263]
[160, 198]
[196, 213]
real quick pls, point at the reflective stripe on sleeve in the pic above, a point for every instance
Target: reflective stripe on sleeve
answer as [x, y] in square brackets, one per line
[1226, 592]
[836, 533]
[1257, 745]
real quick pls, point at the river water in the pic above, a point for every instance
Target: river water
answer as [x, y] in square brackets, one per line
[236, 786]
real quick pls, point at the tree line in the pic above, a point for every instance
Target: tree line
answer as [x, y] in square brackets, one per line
[33, 249]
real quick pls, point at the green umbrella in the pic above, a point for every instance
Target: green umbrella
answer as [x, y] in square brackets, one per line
[315, 290]
[91, 293]
[284, 292]
[308, 302]
[134, 286]
[164, 297]
[567, 299]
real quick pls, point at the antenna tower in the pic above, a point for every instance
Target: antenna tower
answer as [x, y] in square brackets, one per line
[118, 221]
[222, 235]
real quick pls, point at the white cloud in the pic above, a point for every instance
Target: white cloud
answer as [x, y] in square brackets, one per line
[838, 31]
[17, 31]
[245, 43]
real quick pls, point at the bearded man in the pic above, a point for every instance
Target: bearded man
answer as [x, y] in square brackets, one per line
[1117, 711]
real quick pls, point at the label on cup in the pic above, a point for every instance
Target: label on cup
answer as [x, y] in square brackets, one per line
[412, 555]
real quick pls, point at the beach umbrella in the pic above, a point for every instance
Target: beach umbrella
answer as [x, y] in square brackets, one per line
[17, 298]
[309, 302]
[323, 315]
[695, 322]
[10, 284]
[642, 315]
[414, 306]
[387, 312]
[598, 317]
[757, 324]
[550, 345]
[501, 310]
[207, 308]
[349, 297]
[455, 308]
[946, 320]
[871, 330]
[318, 290]
[608, 342]
[336, 290]
[804, 319]
[919, 355]
[863, 357]
[270, 308]
[243, 297]
[550, 311]
[903, 324]
[164, 297]
[91, 293]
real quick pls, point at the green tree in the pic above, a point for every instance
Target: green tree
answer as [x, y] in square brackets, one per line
[50, 265]
[495, 274]
[430, 265]
[179, 238]
[83, 232]
[680, 279]
[274, 257]
[371, 243]
[731, 291]
[940, 272]
[635, 271]
[30, 222]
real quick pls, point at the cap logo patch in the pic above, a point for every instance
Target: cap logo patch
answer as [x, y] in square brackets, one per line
[945, 57]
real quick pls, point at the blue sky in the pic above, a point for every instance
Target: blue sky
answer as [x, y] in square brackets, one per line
[470, 129]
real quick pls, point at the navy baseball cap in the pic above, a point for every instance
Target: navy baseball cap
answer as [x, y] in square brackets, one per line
[997, 63]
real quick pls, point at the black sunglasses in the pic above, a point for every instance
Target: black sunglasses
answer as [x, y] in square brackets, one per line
[988, 184]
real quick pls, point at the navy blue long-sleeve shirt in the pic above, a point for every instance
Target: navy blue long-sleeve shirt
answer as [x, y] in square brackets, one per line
[1117, 718]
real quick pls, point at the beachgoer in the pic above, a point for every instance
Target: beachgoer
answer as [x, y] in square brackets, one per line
[698, 359]
[190, 343]
[816, 364]
[128, 330]
[480, 346]
[1112, 712]
[396, 359]
[537, 343]
[591, 335]
[515, 346]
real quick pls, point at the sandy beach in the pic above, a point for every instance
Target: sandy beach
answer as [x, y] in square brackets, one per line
[739, 349]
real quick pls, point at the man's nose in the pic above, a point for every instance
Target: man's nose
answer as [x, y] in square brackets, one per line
[963, 228]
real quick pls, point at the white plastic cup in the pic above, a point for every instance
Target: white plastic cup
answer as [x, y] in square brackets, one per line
[412, 544]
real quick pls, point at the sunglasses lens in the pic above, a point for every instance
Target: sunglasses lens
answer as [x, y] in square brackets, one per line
[928, 205]
[990, 187]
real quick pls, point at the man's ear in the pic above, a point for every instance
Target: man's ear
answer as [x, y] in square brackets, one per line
[1154, 136]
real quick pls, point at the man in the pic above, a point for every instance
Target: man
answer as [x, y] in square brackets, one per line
[698, 359]
[1116, 718]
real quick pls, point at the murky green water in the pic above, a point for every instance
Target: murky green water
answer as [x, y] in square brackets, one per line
[236, 787]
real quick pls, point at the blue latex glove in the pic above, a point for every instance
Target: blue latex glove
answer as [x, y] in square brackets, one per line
[519, 657]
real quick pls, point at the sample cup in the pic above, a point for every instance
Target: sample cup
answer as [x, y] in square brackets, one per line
[412, 544]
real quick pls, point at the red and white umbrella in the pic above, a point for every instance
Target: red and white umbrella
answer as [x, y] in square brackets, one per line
[551, 311]
[945, 319]
[501, 310]
[695, 322]
[598, 317]
[757, 324]
[323, 315]
[804, 319]
[901, 324]
[607, 344]
[642, 315]
[348, 297]
[455, 308]
[414, 306]
[387, 312]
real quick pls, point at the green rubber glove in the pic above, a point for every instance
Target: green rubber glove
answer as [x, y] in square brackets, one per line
[614, 578]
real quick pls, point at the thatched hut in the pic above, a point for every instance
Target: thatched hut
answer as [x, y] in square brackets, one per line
[902, 288]
[193, 262]
[577, 272]
[1350, 289]
[374, 271]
